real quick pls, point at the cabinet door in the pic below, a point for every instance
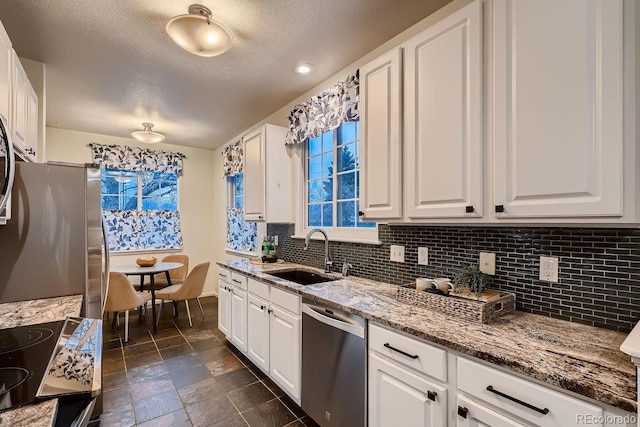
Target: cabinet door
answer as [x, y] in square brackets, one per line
[558, 108]
[6, 82]
[32, 123]
[224, 308]
[400, 397]
[472, 414]
[381, 137]
[258, 331]
[239, 318]
[284, 351]
[19, 104]
[443, 118]
[254, 176]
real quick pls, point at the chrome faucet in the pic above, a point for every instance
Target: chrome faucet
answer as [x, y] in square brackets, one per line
[327, 259]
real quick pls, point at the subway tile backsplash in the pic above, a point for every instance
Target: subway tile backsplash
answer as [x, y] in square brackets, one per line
[598, 277]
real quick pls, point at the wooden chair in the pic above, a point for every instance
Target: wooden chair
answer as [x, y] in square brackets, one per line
[121, 296]
[177, 276]
[190, 289]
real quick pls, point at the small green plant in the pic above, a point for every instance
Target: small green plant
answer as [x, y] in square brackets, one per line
[470, 277]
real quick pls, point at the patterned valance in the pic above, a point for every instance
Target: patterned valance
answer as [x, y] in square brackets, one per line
[326, 111]
[136, 159]
[130, 230]
[232, 162]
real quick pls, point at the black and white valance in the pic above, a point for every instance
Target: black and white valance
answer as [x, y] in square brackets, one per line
[326, 111]
[232, 162]
[136, 159]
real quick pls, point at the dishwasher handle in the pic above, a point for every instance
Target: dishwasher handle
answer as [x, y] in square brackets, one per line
[351, 328]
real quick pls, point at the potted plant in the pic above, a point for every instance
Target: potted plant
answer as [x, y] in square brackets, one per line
[470, 279]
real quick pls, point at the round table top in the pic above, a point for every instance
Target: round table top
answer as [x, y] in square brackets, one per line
[160, 267]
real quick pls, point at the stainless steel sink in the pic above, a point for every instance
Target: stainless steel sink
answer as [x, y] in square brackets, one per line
[302, 277]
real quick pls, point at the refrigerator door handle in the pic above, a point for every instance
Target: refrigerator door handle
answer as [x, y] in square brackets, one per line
[106, 267]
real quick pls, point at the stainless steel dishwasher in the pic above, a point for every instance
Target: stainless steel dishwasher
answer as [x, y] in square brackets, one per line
[334, 354]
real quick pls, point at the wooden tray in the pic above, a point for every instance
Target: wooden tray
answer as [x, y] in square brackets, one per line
[466, 308]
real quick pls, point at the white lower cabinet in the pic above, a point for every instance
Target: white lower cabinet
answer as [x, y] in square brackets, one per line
[398, 396]
[238, 328]
[285, 350]
[224, 300]
[258, 331]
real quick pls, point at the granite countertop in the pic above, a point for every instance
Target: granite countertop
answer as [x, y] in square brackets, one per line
[29, 313]
[579, 358]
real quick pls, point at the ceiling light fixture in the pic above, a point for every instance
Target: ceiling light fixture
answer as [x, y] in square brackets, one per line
[197, 33]
[304, 68]
[148, 136]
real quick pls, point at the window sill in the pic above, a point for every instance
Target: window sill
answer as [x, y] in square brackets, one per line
[341, 239]
[241, 253]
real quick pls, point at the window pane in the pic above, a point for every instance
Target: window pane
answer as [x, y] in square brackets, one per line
[239, 203]
[358, 185]
[327, 142]
[327, 214]
[316, 191]
[347, 132]
[314, 213]
[347, 186]
[327, 185]
[346, 214]
[110, 202]
[150, 204]
[315, 167]
[346, 158]
[315, 146]
[128, 203]
[239, 184]
[327, 164]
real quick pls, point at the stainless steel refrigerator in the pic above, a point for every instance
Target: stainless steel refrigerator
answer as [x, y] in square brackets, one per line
[53, 244]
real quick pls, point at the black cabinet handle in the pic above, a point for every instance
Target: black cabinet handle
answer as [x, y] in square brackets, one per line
[390, 347]
[544, 411]
[269, 311]
[360, 213]
[469, 209]
[462, 411]
[499, 208]
[262, 307]
[236, 281]
[431, 395]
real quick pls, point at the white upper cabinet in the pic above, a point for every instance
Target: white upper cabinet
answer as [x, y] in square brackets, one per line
[6, 56]
[267, 175]
[19, 111]
[443, 118]
[558, 108]
[381, 137]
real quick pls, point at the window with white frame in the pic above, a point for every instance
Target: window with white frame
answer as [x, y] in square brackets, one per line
[332, 176]
[139, 190]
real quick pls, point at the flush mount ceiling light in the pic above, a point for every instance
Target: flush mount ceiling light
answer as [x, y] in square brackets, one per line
[304, 68]
[147, 135]
[197, 33]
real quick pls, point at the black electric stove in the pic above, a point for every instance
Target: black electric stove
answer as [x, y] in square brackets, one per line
[25, 352]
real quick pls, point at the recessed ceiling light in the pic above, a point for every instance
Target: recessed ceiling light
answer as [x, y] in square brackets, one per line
[304, 68]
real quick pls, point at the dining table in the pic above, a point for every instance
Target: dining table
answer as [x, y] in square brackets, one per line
[160, 267]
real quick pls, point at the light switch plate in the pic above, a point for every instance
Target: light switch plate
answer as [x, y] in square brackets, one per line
[423, 256]
[488, 263]
[397, 253]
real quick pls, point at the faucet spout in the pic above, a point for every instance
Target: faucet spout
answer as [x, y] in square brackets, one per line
[327, 259]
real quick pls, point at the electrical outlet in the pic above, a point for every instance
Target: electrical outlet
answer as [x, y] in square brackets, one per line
[488, 263]
[275, 240]
[423, 256]
[397, 253]
[549, 269]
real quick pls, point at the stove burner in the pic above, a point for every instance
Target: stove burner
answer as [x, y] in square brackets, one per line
[11, 378]
[11, 339]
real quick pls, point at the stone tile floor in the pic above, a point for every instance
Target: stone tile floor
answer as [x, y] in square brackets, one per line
[187, 376]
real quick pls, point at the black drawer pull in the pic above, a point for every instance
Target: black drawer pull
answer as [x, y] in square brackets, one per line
[499, 208]
[262, 307]
[390, 347]
[236, 280]
[462, 411]
[469, 209]
[544, 411]
[431, 395]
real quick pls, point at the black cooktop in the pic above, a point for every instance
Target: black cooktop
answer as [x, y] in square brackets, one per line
[25, 352]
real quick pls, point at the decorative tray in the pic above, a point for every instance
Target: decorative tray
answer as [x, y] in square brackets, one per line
[465, 308]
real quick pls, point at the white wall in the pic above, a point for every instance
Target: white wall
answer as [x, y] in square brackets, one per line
[201, 190]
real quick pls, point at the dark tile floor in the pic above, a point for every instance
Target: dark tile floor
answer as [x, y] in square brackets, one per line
[184, 376]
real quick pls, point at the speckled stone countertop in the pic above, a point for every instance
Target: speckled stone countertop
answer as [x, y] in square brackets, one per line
[29, 313]
[574, 357]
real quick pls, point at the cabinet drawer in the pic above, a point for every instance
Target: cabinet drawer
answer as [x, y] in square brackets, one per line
[259, 289]
[239, 280]
[285, 300]
[532, 402]
[224, 274]
[408, 351]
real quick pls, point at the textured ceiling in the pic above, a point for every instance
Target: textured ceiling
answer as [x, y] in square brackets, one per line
[111, 66]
